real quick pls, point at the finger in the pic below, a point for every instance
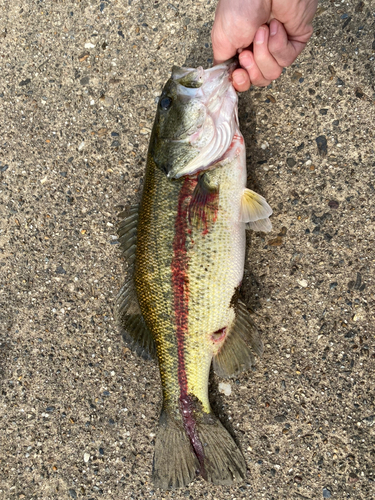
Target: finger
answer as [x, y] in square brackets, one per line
[266, 63]
[247, 61]
[235, 25]
[285, 51]
[222, 48]
[241, 80]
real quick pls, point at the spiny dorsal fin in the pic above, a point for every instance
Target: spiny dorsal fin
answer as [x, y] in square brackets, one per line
[127, 232]
[255, 211]
[128, 313]
[133, 327]
[235, 355]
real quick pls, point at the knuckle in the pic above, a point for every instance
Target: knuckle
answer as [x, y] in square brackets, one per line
[283, 55]
[261, 82]
[284, 61]
[273, 74]
[280, 54]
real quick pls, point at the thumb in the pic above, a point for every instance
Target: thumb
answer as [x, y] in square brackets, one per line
[222, 48]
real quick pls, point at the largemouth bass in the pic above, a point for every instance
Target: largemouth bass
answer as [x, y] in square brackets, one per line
[186, 246]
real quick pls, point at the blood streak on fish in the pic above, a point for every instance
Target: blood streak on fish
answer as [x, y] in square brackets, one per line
[181, 307]
[191, 430]
[180, 278]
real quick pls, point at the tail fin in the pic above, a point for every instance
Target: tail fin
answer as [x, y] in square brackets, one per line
[176, 463]
[223, 460]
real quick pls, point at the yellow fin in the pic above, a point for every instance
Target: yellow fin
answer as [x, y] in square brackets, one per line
[263, 225]
[254, 208]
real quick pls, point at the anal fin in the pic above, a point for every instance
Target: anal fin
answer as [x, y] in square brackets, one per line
[236, 354]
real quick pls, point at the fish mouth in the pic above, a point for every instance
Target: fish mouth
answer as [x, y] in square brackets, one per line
[213, 88]
[193, 78]
[207, 101]
[226, 67]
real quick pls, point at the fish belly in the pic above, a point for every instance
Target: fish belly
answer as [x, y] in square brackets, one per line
[215, 270]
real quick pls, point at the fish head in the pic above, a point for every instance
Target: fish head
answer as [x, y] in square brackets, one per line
[195, 121]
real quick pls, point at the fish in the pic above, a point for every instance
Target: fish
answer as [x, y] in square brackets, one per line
[185, 246]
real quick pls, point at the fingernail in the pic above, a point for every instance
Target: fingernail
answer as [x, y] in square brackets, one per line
[273, 29]
[260, 36]
[247, 62]
[240, 79]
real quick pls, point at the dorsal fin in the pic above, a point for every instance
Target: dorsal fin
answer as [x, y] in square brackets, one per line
[132, 324]
[128, 313]
[127, 232]
[235, 355]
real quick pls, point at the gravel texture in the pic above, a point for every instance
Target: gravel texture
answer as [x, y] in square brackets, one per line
[79, 411]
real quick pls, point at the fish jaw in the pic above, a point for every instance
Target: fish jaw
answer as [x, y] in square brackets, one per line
[195, 121]
[196, 77]
[215, 135]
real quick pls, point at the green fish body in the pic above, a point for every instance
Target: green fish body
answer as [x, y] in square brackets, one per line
[186, 245]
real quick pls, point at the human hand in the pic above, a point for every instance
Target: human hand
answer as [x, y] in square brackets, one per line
[278, 30]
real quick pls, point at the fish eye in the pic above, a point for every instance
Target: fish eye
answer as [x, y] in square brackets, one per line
[165, 103]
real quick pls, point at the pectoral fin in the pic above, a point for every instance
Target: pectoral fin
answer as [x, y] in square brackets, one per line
[263, 225]
[255, 211]
[204, 203]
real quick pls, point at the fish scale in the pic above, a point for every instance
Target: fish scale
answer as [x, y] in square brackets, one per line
[154, 272]
[189, 241]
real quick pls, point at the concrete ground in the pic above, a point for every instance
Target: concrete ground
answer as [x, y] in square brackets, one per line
[79, 411]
